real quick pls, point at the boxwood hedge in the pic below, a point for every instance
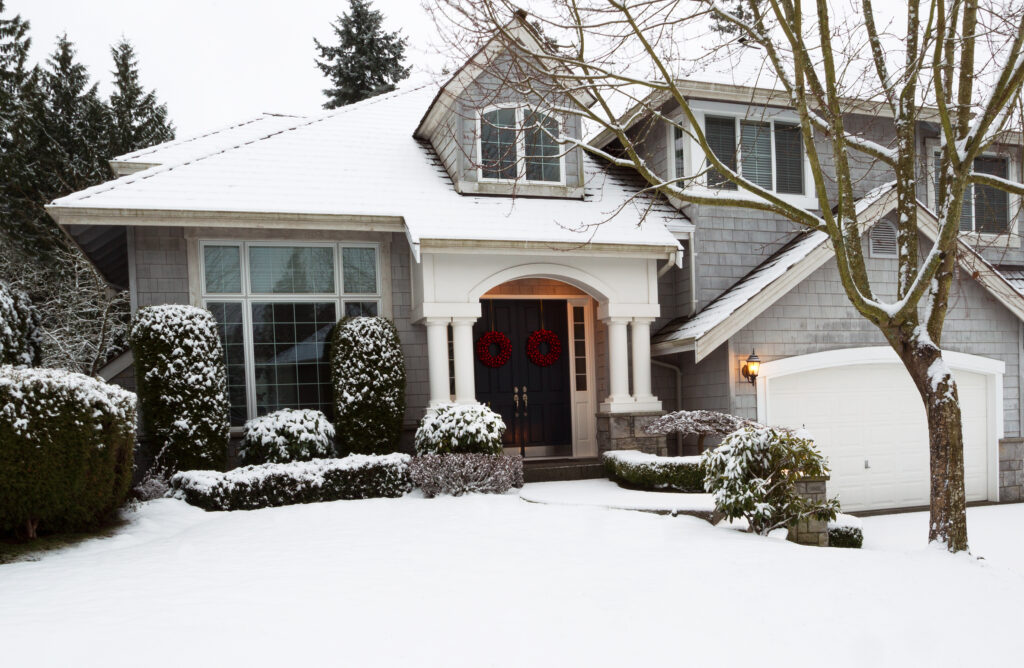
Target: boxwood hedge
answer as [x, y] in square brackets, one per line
[637, 469]
[287, 435]
[66, 449]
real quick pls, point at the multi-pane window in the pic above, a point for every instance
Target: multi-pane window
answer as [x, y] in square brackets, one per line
[767, 153]
[276, 305]
[579, 343]
[678, 152]
[985, 209]
[516, 142]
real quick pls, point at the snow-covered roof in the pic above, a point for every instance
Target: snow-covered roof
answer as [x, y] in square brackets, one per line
[1015, 276]
[362, 161]
[188, 148]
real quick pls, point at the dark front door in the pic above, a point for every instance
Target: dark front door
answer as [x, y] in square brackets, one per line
[534, 401]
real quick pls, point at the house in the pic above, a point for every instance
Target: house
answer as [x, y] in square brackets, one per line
[453, 210]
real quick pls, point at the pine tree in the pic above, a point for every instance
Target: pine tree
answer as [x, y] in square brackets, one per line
[138, 120]
[366, 61]
[14, 45]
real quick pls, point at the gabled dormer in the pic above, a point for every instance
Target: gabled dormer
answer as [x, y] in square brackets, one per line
[499, 130]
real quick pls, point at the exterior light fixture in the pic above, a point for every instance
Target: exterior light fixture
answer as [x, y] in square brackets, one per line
[752, 367]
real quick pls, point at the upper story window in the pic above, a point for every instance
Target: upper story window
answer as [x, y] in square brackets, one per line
[519, 143]
[986, 210]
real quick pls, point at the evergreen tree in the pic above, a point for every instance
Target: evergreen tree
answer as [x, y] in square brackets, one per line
[14, 45]
[138, 120]
[366, 61]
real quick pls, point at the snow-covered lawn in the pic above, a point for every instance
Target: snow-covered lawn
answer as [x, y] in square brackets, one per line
[494, 581]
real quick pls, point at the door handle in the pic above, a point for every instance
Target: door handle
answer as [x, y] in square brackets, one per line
[515, 399]
[526, 400]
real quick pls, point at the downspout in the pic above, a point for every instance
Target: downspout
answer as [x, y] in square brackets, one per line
[693, 274]
[679, 394]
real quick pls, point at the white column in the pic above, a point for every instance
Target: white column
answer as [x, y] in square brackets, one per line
[645, 401]
[618, 367]
[462, 342]
[437, 359]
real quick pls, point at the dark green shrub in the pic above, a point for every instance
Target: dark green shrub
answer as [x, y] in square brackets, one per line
[466, 428]
[20, 333]
[461, 473]
[268, 485]
[287, 435]
[182, 386]
[66, 449]
[368, 374]
[845, 531]
[753, 474]
[637, 469]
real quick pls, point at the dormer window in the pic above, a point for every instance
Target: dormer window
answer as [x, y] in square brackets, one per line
[985, 210]
[506, 133]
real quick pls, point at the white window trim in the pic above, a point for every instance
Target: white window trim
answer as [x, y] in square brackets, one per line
[247, 297]
[1007, 239]
[520, 145]
[692, 150]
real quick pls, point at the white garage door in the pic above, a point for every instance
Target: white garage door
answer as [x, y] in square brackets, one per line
[870, 422]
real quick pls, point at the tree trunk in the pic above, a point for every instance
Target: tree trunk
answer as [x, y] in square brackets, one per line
[30, 528]
[948, 511]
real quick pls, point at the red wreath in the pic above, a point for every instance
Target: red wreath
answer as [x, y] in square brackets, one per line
[538, 337]
[483, 349]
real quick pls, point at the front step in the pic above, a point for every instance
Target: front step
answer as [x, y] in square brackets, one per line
[552, 470]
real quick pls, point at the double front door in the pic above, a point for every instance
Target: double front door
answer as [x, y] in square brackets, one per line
[534, 400]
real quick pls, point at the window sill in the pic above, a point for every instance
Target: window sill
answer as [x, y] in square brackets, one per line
[987, 240]
[800, 201]
[519, 189]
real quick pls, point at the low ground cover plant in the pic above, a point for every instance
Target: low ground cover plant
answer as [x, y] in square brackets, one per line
[287, 435]
[269, 485]
[182, 386]
[461, 473]
[633, 468]
[368, 374]
[66, 449]
[753, 475]
[845, 531]
[459, 428]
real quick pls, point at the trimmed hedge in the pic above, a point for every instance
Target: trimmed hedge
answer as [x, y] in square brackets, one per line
[638, 469]
[287, 435]
[461, 473]
[66, 449]
[182, 386]
[368, 375]
[269, 485]
[20, 332]
[460, 428]
[846, 531]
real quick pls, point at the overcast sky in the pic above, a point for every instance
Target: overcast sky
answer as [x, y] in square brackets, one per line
[214, 62]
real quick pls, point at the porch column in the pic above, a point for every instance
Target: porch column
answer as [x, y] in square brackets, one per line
[462, 342]
[645, 400]
[437, 359]
[618, 364]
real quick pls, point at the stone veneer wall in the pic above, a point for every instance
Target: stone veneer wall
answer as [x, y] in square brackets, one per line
[625, 431]
[1011, 469]
[810, 531]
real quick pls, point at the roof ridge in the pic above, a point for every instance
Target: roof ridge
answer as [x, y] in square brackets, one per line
[178, 142]
[163, 169]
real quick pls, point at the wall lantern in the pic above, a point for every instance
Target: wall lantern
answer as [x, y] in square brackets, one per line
[752, 367]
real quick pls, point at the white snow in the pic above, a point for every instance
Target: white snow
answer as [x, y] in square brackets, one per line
[606, 494]
[491, 581]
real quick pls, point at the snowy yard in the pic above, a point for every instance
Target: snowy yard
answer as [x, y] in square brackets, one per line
[494, 581]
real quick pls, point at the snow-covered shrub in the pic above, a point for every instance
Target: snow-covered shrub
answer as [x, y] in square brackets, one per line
[66, 449]
[468, 428]
[287, 435]
[368, 373]
[20, 334]
[460, 473]
[182, 386]
[845, 531]
[699, 423]
[639, 469]
[753, 474]
[268, 485]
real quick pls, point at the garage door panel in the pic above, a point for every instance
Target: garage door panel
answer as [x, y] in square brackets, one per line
[873, 413]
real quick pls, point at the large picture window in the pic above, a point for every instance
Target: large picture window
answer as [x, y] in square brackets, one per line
[276, 305]
[519, 143]
[769, 153]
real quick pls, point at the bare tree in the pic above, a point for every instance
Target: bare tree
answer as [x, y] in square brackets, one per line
[956, 63]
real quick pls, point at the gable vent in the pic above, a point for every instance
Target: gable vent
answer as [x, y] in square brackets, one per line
[883, 240]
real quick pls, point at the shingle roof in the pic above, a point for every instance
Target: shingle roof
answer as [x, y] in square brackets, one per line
[362, 160]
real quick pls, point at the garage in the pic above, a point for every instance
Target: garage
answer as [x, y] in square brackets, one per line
[866, 416]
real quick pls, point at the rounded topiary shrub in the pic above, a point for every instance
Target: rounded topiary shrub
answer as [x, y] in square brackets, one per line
[182, 386]
[287, 435]
[20, 333]
[66, 449]
[467, 428]
[368, 374]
